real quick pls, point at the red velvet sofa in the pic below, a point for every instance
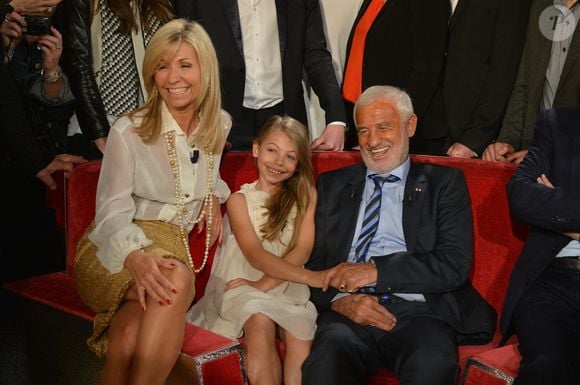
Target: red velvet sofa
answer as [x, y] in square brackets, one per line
[214, 360]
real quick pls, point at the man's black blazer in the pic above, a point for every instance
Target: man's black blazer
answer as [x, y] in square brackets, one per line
[302, 45]
[405, 48]
[437, 224]
[554, 152]
[485, 42]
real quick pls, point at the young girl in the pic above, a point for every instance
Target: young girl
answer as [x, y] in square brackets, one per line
[268, 237]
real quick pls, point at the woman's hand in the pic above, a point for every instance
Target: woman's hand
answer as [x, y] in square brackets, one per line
[11, 30]
[149, 280]
[35, 7]
[217, 224]
[51, 47]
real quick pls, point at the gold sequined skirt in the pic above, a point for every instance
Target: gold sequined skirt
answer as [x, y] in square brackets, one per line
[102, 291]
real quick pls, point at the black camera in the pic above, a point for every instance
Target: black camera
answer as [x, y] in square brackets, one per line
[37, 25]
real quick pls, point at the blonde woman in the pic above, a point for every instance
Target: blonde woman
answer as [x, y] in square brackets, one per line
[158, 180]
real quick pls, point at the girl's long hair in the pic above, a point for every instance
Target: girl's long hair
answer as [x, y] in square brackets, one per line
[296, 190]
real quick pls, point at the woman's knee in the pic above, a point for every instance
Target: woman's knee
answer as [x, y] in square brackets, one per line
[183, 280]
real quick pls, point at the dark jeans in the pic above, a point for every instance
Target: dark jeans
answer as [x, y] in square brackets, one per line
[547, 323]
[421, 349]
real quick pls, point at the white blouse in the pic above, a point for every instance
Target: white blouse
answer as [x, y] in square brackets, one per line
[136, 182]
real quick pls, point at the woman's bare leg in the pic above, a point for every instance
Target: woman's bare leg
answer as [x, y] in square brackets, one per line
[262, 360]
[122, 339]
[296, 352]
[161, 333]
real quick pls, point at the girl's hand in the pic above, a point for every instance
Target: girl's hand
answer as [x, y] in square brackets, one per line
[238, 282]
[217, 224]
[264, 284]
[149, 280]
[318, 278]
[51, 47]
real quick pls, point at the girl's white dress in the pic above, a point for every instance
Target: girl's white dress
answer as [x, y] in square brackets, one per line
[225, 312]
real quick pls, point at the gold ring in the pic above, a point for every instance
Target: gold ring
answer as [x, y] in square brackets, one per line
[342, 287]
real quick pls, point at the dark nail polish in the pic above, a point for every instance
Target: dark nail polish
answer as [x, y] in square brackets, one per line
[168, 302]
[161, 303]
[174, 291]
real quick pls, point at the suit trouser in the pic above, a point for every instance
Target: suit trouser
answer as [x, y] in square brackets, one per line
[421, 349]
[547, 323]
[245, 131]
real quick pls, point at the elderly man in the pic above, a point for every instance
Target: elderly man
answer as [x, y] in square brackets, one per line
[400, 236]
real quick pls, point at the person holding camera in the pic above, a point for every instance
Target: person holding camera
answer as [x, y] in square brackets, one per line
[33, 49]
[27, 156]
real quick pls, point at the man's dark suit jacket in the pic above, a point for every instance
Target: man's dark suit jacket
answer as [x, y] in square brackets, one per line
[405, 48]
[554, 152]
[485, 41]
[302, 46]
[437, 224]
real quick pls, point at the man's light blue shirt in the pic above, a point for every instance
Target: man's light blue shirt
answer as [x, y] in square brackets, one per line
[389, 237]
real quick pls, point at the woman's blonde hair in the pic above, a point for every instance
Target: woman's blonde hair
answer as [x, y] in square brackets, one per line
[297, 190]
[212, 134]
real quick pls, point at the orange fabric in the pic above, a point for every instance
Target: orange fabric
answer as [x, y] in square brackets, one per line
[352, 85]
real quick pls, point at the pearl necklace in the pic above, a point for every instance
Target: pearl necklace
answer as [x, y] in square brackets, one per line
[182, 210]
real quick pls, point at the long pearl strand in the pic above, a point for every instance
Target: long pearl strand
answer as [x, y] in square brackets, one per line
[182, 210]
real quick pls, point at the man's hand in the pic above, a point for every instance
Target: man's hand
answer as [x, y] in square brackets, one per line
[331, 139]
[365, 310]
[543, 180]
[349, 277]
[498, 152]
[458, 150]
[517, 156]
[62, 162]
